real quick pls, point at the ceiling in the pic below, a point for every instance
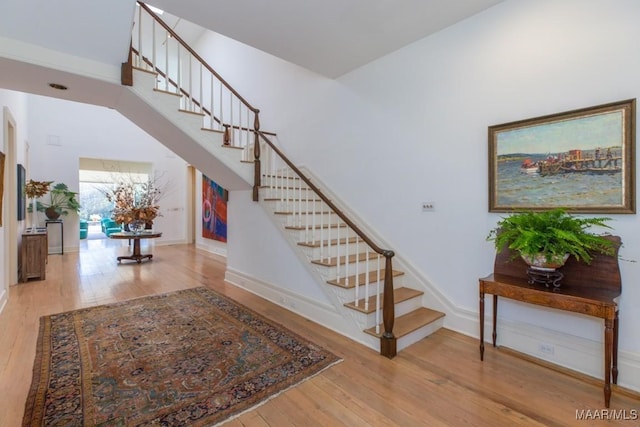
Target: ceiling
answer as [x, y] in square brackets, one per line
[330, 37]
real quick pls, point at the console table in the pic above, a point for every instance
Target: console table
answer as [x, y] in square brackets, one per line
[136, 255]
[589, 289]
[33, 255]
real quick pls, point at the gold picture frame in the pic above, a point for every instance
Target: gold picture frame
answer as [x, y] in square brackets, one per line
[581, 160]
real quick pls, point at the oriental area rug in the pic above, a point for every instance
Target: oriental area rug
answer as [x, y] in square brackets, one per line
[186, 358]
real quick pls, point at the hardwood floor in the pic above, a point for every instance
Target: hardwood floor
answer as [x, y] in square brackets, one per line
[439, 381]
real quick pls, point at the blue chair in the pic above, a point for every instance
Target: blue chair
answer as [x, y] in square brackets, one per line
[84, 228]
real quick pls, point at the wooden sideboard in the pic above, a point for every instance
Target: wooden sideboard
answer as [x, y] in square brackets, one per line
[588, 289]
[33, 255]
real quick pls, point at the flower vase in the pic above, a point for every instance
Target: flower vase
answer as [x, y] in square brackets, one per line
[137, 226]
[34, 215]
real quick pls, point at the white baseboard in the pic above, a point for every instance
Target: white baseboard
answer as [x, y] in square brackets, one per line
[321, 313]
[214, 249]
[3, 299]
[576, 353]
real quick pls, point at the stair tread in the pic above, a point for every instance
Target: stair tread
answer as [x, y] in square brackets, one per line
[155, 73]
[317, 226]
[212, 130]
[279, 176]
[399, 295]
[191, 112]
[333, 242]
[301, 213]
[361, 279]
[278, 199]
[333, 261]
[167, 92]
[410, 322]
[279, 188]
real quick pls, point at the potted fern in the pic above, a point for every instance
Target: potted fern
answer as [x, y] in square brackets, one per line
[61, 201]
[546, 239]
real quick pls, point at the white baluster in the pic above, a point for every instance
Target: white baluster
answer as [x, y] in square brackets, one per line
[231, 130]
[220, 126]
[306, 222]
[189, 106]
[240, 123]
[346, 254]
[139, 37]
[366, 279]
[179, 82]
[153, 49]
[378, 299]
[357, 279]
[321, 233]
[211, 104]
[338, 255]
[166, 62]
[201, 100]
[313, 219]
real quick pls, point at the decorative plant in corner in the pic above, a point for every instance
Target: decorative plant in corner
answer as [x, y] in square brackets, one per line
[61, 201]
[546, 239]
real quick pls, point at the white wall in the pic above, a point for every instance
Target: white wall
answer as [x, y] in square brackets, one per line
[414, 124]
[14, 104]
[83, 130]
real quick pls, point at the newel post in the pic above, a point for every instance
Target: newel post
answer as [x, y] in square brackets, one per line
[256, 156]
[388, 340]
[226, 137]
[126, 70]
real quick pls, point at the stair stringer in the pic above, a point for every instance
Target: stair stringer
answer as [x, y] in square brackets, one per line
[205, 149]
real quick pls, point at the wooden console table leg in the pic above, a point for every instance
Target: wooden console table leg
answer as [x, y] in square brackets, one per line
[614, 368]
[608, 352]
[481, 325]
[495, 319]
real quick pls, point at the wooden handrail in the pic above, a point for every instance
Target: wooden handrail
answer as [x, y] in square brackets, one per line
[195, 55]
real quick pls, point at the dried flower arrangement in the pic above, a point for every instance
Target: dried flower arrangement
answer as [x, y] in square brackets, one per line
[134, 201]
[34, 189]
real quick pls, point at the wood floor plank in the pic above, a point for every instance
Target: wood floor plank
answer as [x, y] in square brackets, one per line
[438, 381]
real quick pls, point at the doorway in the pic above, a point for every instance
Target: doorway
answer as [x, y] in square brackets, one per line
[96, 176]
[10, 214]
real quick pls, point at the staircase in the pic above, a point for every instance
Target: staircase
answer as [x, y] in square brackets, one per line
[380, 302]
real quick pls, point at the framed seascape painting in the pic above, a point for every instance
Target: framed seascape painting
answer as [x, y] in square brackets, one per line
[581, 160]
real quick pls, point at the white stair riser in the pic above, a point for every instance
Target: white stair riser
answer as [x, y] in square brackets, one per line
[314, 235]
[293, 193]
[340, 271]
[280, 182]
[313, 253]
[289, 206]
[302, 220]
[417, 335]
[369, 320]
